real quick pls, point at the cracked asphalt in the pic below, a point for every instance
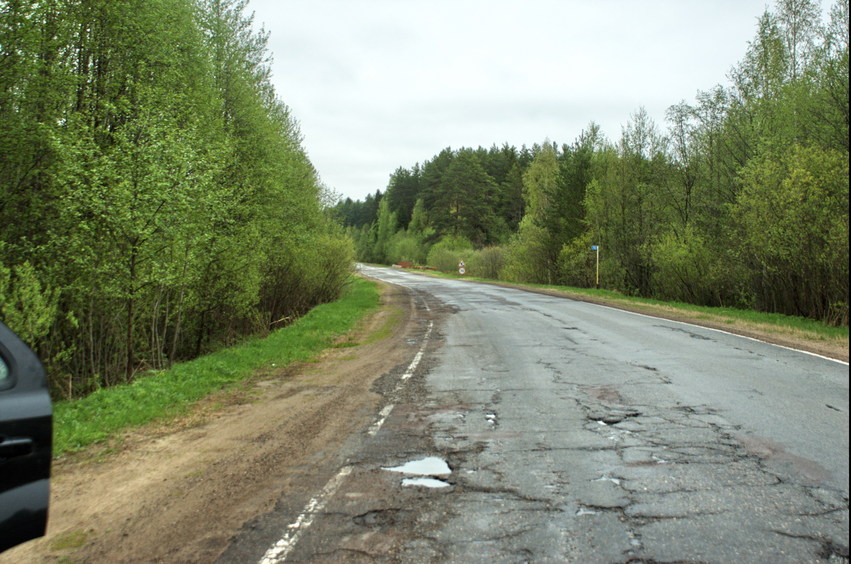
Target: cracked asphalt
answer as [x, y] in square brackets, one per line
[580, 433]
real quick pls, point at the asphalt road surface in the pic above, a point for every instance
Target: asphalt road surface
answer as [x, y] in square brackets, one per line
[530, 428]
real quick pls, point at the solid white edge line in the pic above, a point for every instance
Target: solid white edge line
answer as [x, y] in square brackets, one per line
[836, 360]
[719, 331]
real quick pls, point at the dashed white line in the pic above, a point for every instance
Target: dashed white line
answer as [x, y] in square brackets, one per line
[384, 413]
[419, 356]
[279, 551]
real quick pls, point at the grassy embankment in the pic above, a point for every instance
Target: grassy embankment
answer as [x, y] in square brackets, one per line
[167, 393]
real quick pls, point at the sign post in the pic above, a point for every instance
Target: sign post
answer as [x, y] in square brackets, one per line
[461, 269]
[597, 248]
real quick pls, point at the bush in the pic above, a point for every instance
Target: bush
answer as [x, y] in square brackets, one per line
[577, 262]
[688, 269]
[526, 258]
[406, 246]
[27, 306]
[448, 252]
[487, 263]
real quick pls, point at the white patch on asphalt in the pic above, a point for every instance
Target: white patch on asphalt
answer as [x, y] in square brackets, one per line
[424, 469]
[425, 482]
[428, 466]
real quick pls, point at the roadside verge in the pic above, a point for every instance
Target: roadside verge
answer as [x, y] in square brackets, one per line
[180, 489]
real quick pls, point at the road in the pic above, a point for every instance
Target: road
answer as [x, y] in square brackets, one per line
[550, 430]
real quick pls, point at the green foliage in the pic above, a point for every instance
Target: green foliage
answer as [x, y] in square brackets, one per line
[25, 306]
[447, 253]
[528, 254]
[461, 199]
[406, 247]
[577, 262]
[534, 250]
[791, 233]
[688, 269]
[385, 229]
[743, 201]
[78, 423]
[156, 199]
[487, 263]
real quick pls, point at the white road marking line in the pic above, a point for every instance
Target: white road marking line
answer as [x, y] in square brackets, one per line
[836, 360]
[384, 413]
[414, 363]
[279, 551]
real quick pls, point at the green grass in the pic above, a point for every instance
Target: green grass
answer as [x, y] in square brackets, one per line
[101, 415]
[69, 540]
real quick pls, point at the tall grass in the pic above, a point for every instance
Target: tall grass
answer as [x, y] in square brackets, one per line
[79, 423]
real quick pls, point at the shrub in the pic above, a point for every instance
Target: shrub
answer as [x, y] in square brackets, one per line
[526, 259]
[488, 262]
[448, 252]
[577, 262]
[404, 247]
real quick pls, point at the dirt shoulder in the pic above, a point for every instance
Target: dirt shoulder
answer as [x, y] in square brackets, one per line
[178, 491]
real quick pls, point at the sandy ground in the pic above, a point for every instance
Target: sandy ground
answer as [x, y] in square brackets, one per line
[179, 492]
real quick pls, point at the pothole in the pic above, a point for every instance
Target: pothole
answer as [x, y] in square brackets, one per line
[429, 466]
[425, 482]
[612, 417]
[424, 471]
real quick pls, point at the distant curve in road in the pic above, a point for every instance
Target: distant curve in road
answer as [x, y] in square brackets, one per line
[582, 433]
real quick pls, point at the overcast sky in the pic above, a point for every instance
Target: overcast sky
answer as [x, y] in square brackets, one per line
[379, 84]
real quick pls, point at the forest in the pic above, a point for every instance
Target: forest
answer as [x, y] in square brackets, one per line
[156, 201]
[741, 202]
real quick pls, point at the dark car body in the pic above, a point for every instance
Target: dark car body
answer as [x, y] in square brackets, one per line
[26, 419]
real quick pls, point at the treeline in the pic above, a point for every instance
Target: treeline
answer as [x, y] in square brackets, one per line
[743, 201]
[155, 199]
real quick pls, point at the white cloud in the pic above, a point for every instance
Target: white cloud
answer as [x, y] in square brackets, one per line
[379, 84]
